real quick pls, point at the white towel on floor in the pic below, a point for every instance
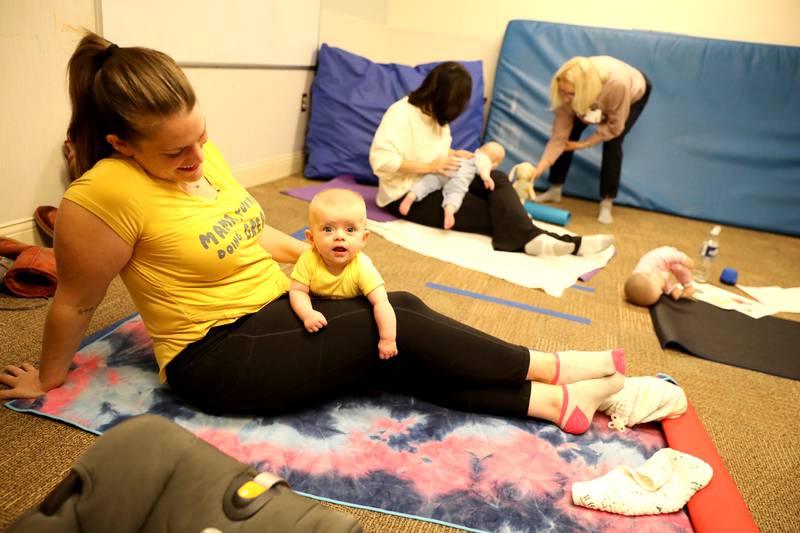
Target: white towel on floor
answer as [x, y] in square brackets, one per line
[469, 250]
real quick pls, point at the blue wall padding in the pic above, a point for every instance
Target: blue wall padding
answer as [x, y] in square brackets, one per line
[547, 213]
[349, 95]
[719, 139]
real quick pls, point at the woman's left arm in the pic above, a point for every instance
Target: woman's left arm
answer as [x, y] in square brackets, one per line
[615, 101]
[283, 248]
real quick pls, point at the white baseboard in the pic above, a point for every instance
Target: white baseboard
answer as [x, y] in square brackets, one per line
[249, 175]
[274, 168]
[23, 230]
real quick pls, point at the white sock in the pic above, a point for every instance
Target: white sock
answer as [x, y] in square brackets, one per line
[574, 365]
[547, 245]
[580, 401]
[604, 217]
[553, 194]
[663, 484]
[592, 244]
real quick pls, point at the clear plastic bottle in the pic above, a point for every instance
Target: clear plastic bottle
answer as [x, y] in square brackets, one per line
[708, 251]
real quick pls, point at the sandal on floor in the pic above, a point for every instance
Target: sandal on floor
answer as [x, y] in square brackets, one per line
[45, 217]
[33, 274]
[11, 248]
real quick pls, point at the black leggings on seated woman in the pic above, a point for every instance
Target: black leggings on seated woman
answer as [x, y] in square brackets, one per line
[498, 214]
[267, 363]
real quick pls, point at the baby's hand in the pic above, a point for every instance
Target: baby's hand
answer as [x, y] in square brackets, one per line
[488, 182]
[676, 293]
[688, 291]
[315, 322]
[387, 349]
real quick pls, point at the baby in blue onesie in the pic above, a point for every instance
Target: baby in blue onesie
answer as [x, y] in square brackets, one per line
[454, 185]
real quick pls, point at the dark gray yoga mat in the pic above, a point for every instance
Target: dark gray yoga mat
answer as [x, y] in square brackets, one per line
[768, 344]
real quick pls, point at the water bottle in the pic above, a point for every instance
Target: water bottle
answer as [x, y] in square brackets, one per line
[708, 251]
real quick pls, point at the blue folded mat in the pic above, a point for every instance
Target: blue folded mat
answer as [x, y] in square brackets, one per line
[718, 139]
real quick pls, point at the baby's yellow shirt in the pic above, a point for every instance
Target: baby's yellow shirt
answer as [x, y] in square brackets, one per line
[359, 276]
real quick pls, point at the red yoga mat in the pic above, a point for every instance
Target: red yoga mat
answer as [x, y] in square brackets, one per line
[719, 506]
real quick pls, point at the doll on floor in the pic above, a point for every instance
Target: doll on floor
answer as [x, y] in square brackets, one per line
[665, 270]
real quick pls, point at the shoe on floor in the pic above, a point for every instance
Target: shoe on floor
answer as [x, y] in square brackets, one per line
[11, 248]
[33, 274]
[45, 217]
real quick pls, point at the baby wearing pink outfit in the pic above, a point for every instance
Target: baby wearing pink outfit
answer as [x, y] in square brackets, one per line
[665, 270]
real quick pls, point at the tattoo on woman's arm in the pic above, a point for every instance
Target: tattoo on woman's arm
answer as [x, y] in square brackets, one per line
[84, 310]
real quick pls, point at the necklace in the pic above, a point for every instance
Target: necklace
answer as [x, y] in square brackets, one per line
[195, 185]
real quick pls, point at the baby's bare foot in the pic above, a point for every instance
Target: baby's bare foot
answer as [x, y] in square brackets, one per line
[405, 205]
[449, 216]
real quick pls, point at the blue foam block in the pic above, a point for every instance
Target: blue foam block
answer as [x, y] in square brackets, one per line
[729, 276]
[545, 213]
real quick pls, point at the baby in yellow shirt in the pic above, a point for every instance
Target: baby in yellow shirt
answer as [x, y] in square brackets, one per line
[336, 268]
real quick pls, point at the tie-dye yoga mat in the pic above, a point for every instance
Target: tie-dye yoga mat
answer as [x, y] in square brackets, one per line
[389, 453]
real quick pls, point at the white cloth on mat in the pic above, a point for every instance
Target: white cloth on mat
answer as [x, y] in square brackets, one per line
[473, 251]
[643, 399]
[663, 484]
[784, 299]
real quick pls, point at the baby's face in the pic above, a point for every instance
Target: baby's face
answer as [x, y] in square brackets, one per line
[338, 236]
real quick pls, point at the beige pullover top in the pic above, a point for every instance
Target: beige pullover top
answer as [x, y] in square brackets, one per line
[623, 87]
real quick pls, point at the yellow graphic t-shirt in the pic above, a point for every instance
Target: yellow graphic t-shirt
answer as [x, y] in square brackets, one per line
[359, 276]
[197, 262]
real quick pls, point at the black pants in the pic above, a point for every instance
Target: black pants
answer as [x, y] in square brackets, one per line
[497, 213]
[611, 166]
[267, 363]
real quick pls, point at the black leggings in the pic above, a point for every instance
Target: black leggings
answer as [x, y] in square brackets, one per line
[611, 165]
[267, 363]
[497, 213]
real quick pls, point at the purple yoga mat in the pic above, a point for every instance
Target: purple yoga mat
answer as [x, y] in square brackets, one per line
[346, 181]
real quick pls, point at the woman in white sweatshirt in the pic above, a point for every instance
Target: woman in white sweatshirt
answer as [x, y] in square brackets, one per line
[414, 140]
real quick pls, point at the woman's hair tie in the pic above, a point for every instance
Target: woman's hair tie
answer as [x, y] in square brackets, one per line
[101, 58]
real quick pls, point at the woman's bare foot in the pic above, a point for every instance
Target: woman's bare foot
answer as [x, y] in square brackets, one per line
[405, 205]
[449, 216]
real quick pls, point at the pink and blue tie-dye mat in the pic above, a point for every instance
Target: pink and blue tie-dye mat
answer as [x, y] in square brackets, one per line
[389, 453]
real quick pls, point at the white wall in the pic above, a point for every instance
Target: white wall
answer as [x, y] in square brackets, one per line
[254, 115]
[419, 31]
[36, 39]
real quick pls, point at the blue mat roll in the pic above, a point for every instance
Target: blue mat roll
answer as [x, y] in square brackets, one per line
[545, 213]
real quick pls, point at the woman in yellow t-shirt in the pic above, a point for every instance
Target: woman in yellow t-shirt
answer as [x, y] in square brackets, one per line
[158, 203]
